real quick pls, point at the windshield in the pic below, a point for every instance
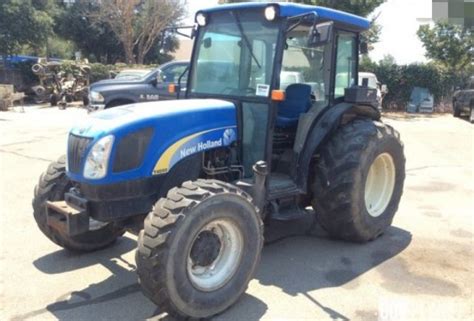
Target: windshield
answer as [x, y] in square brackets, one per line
[234, 55]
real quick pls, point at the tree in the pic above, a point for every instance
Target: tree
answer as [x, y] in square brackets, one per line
[449, 45]
[137, 24]
[23, 23]
[95, 40]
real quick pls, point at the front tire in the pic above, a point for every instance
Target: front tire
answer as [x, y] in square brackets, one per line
[199, 248]
[51, 187]
[359, 181]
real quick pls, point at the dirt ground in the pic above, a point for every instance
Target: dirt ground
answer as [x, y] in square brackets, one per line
[420, 269]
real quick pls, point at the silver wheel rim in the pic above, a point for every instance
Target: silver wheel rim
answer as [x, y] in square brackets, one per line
[380, 184]
[217, 273]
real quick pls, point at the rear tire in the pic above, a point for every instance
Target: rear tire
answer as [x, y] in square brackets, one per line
[199, 248]
[359, 181]
[51, 187]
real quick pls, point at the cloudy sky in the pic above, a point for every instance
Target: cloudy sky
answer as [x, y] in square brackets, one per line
[400, 20]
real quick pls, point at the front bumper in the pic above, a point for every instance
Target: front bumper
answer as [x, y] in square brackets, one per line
[102, 203]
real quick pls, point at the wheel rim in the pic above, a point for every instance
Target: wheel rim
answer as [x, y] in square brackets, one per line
[215, 255]
[380, 184]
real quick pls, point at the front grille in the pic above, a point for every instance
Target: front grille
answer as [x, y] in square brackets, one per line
[76, 148]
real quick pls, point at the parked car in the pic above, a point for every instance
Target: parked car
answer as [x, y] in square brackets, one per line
[375, 84]
[153, 86]
[421, 101]
[463, 101]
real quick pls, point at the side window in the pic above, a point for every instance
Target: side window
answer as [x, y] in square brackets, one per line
[302, 64]
[346, 63]
[172, 74]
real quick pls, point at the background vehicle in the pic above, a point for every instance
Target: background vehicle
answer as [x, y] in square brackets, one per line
[421, 101]
[373, 82]
[463, 101]
[197, 176]
[153, 86]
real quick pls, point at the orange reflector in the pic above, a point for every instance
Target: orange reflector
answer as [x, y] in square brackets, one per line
[172, 88]
[278, 95]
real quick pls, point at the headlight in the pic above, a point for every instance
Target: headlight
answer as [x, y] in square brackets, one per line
[98, 158]
[96, 96]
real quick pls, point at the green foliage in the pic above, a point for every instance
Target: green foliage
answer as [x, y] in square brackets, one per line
[95, 40]
[60, 48]
[23, 22]
[100, 71]
[401, 79]
[448, 45]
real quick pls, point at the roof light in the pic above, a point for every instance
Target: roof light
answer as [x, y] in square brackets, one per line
[201, 19]
[270, 13]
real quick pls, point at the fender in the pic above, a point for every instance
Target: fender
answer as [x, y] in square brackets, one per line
[323, 125]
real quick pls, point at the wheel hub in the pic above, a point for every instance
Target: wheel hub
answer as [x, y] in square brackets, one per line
[205, 249]
[215, 254]
[380, 184]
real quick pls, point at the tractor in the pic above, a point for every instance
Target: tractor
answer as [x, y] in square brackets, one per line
[196, 178]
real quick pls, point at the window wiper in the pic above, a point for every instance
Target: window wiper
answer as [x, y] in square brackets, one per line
[246, 40]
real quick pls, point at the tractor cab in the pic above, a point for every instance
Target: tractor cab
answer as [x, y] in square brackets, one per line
[281, 65]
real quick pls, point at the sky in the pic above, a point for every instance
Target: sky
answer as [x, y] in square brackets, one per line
[399, 19]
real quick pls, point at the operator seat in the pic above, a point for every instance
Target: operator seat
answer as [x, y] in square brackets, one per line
[297, 101]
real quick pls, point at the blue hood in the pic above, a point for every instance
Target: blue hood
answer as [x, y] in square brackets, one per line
[180, 128]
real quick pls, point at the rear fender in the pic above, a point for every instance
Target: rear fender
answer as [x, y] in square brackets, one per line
[323, 125]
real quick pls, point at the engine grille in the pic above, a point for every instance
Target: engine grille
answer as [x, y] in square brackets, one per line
[76, 147]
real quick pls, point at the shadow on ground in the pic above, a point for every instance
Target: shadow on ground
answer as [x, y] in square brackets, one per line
[298, 258]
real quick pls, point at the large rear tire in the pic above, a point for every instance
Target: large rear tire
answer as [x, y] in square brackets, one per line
[359, 180]
[199, 248]
[51, 187]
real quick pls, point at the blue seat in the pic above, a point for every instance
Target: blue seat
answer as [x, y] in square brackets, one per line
[297, 101]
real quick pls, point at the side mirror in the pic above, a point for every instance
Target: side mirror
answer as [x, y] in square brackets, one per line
[320, 34]
[154, 81]
[207, 42]
[384, 89]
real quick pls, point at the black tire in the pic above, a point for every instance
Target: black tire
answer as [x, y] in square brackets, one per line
[340, 180]
[456, 110]
[171, 230]
[53, 100]
[51, 187]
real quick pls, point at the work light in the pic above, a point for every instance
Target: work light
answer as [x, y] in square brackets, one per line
[270, 13]
[201, 19]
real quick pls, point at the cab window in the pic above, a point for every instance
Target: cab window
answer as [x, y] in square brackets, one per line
[304, 64]
[345, 63]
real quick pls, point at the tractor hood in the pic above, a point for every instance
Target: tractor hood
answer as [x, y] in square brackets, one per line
[172, 130]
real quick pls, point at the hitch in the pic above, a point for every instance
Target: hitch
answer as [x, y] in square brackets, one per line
[69, 216]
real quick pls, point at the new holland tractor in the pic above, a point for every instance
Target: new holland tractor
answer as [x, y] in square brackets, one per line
[196, 177]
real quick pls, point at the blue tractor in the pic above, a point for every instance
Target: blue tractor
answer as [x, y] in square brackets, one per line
[196, 178]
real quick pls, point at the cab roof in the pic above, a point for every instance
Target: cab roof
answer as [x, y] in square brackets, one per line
[288, 9]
